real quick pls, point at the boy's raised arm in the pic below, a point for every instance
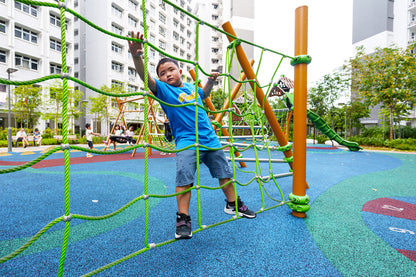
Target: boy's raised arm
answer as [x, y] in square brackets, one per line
[210, 84]
[136, 51]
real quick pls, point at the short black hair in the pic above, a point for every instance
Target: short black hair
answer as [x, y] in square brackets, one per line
[87, 125]
[165, 60]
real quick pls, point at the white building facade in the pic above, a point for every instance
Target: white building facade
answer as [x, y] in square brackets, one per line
[383, 23]
[30, 42]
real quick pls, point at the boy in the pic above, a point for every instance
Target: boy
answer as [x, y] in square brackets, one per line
[89, 133]
[170, 89]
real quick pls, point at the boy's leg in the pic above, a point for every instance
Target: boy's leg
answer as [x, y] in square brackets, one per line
[228, 189]
[219, 168]
[185, 172]
[183, 220]
[183, 199]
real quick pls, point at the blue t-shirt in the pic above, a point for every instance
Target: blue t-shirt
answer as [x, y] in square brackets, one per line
[182, 119]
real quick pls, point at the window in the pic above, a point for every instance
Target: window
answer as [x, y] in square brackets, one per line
[2, 26]
[116, 48]
[116, 30]
[132, 72]
[25, 34]
[116, 11]
[132, 4]
[182, 53]
[188, 34]
[116, 83]
[162, 31]
[3, 56]
[214, 17]
[132, 21]
[175, 22]
[76, 32]
[162, 18]
[214, 50]
[162, 45]
[55, 69]
[55, 20]
[182, 28]
[29, 9]
[131, 88]
[2, 86]
[76, 61]
[182, 40]
[152, 54]
[175, 35]
[76, 46]
[55, 44]
[116, 66]
[26, 62]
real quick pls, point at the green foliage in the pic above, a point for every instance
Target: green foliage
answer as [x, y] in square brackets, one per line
[386, 77]
[47, 133]
[26, 100]
[217, 98]
[55, 105]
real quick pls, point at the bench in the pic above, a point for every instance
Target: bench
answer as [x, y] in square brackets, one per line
[69, 137]
[29, 139]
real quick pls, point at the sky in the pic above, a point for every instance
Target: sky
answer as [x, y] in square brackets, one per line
[329, 35]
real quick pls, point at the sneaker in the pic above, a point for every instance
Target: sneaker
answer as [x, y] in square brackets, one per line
[183, 226]
[243, 211]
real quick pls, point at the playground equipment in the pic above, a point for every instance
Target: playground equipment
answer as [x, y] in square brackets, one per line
[298, 200]
[282, 89]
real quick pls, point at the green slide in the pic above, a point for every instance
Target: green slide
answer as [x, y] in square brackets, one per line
[326, 130]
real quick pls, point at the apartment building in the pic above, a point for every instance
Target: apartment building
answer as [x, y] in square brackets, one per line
[102, 59]
[382, 23]
[213, 44]
[30, 42]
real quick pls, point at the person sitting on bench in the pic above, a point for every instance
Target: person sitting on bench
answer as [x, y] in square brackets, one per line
[21, 136]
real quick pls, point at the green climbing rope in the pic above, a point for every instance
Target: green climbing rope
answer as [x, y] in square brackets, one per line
[252, 114]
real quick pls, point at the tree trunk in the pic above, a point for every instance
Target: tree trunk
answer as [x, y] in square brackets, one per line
[398, 120]
[391, 123]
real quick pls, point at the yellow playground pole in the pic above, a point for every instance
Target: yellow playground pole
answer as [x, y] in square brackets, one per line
[299, 117]
[248, 70]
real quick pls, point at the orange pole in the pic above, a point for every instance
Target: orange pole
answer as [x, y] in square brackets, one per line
[242, 58]
[299, 115]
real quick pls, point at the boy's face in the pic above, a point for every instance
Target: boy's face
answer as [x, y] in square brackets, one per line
[169, 73]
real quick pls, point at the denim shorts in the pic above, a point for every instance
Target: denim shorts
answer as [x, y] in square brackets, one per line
[214, 160]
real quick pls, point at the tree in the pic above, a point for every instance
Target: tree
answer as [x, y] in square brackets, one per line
[356, 110]
[74, 107]
[103, 105]
[217, 98]
[327, 91]
[27, 99]
[386, 77]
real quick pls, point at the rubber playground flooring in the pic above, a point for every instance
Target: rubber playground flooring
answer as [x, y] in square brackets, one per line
[362, 220]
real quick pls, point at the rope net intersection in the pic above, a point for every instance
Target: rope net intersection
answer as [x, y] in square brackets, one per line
[252, 114]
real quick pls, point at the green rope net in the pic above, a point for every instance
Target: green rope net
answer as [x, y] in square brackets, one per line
[251, 120]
